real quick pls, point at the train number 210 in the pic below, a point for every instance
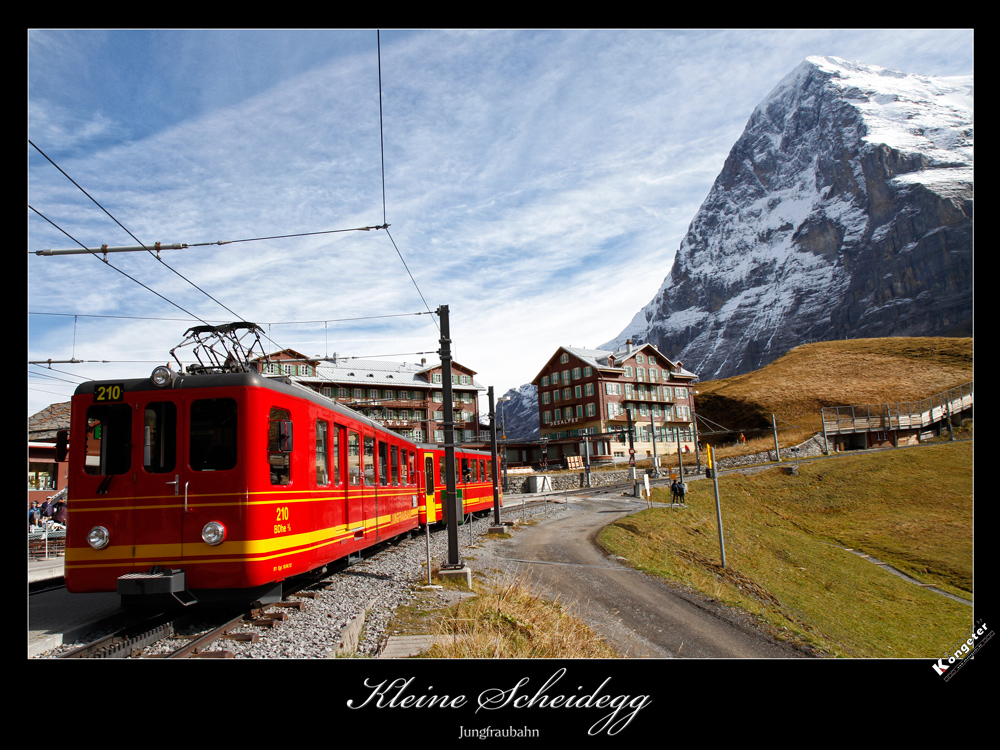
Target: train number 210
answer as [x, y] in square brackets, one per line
[281, 524]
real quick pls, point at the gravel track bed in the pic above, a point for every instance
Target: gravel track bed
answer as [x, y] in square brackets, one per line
[378, 584]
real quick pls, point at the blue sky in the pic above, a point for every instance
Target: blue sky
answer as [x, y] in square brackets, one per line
[537, 182]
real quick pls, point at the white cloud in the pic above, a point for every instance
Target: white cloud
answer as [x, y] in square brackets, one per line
[537, 182]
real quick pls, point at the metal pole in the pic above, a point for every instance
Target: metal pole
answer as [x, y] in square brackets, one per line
[427, 533]
[652, 432]
[631, 453]
[774, 428]
[586, 445]
[718, 507]
[694, 431]
[826, 441]
[680, 457]
[493, 447]
[454, 509]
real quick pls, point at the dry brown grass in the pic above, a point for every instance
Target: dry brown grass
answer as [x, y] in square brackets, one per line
[836, 373]
[507, 621]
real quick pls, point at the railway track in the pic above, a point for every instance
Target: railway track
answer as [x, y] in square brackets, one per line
[217, 633]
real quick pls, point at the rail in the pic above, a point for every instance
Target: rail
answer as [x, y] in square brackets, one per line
[898, 416]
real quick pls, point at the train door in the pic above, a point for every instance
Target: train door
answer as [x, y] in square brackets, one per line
[430, 494]
[188, 474]
[355, 517]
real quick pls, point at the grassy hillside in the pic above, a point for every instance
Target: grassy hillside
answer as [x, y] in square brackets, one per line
[835, 373]
[793, 542]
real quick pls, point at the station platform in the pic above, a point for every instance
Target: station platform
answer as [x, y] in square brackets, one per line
[58, 617]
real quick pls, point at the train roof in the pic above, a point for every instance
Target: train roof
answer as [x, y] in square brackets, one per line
[235, 380]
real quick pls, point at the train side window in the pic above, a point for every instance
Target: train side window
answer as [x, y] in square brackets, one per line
[394, 454]
[369, 466]
[159, 437]
[383, 463]
[108, 443]
[489, 471]
[213, 434]
[412, 461]
[482, 471]
[354, 458]
[466, 474]
[278, 438]
[429, 474]
[442, 472]
[322, 472]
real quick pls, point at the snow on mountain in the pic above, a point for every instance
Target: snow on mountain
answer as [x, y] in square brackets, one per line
[844, 210]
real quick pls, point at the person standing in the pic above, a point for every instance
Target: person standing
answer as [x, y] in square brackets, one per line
[34, 515]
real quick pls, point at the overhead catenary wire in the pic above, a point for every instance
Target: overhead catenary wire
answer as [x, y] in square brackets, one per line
[157, 247]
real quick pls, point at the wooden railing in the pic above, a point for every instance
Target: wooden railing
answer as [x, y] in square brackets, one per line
[898, 416]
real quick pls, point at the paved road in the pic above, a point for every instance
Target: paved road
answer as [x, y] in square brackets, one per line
[640, 614]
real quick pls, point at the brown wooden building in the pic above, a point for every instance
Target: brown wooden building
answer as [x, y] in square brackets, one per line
[585, 393]
[405, 397]
[46, 476]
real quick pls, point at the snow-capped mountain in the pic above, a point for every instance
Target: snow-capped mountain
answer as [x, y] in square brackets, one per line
[843, 211]
[517, 413]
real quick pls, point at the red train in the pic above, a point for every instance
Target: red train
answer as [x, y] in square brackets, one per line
[224, 485]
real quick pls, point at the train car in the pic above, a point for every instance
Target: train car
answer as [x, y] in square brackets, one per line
[473, 482]
[204, 486]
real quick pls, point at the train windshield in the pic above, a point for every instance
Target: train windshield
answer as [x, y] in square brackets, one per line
[108, 444]
[213, 434]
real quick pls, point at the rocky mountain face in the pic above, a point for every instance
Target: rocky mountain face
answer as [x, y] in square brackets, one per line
[517, 413]
[843, 211]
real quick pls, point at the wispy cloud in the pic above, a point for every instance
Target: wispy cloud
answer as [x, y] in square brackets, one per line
[537, 182]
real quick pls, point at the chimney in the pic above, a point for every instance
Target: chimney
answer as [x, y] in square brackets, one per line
[629, 345]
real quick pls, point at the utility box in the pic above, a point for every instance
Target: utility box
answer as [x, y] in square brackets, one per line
[539, 483]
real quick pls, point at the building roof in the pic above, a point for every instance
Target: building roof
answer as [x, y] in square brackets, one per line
[371, 372]
[601, 359]
[46, 423]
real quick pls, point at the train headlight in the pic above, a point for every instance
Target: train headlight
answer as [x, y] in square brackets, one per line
[162, 376]
[213, 533]
[98, 537]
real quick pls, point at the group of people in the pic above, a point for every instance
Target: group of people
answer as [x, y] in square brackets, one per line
[50, 513]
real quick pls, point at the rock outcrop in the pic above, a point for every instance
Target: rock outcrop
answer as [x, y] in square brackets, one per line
[843, 211]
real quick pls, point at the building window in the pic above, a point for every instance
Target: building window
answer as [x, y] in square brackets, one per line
[588, 389]
[577, 391]
[588, 371]
[591, 409]
[546, 417]
[545, 380]
[555, 378]
[564, 359]
[556, 395]
[567, 393]
[576, 373]
[546, 398]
